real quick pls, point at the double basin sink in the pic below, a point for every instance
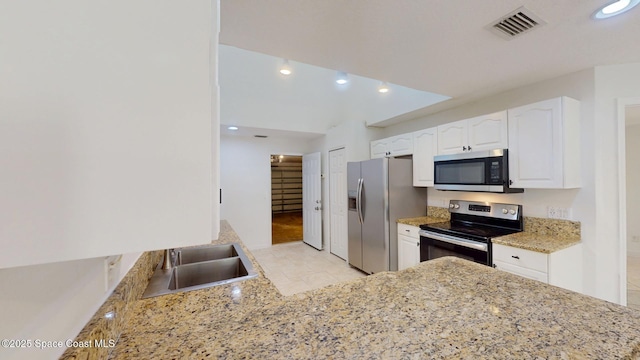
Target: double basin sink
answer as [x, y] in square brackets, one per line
[201, 267]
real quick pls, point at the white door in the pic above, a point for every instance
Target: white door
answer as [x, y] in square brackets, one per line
[312, 200]
[338, 202]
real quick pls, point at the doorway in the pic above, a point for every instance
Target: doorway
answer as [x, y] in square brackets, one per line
[632, 178]
[286, 198]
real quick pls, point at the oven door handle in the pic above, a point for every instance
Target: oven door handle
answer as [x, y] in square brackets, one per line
[455, 241]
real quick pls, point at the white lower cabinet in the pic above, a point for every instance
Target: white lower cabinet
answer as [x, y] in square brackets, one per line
[408, 246]
[562, 268]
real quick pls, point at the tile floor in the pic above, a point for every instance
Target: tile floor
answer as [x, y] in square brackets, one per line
[633, 281]
[297, 267]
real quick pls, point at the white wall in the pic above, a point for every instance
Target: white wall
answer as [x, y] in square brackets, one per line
[245, 176]
[632, 144]
[105, 127]
[612, 83]
[53, 302]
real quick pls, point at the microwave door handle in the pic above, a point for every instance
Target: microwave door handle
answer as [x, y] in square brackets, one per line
[359, 200]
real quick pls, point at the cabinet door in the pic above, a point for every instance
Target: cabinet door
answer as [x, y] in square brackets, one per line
[535, 146]
[401, 145]
[408, 252]
[425, 146]
[452, 137]
[379, 148]
[488, 132]
[521, 271]
[544, 144]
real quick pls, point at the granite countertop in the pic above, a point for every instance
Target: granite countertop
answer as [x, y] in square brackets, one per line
[537, 242]
[543, 235]
[444, 308]
[417, 221]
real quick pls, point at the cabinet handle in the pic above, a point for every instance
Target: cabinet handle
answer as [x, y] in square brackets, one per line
[418, 244]
[510, 182]
[407, 230]
[464, 148]
[469, 148]
[515, 257]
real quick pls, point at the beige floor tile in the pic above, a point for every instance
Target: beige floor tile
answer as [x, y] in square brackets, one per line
[296, 267]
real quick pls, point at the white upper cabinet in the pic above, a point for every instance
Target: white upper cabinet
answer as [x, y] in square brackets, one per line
[379, 148]
[398, 145]
[544, 144]
[108, 137]
[425, 147]
[452, 137]
[486, 132]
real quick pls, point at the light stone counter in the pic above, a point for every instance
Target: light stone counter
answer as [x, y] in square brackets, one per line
[446, 308]
[417, 221]
[543, 235]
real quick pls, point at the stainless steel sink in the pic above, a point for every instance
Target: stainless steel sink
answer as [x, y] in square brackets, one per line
[201, 267]
[205, 253]
[208, 272]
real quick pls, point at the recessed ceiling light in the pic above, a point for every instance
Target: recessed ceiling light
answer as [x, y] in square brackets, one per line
[342, 78]
[615, 8]
[285, 69]
[383, 88]
[233, 128]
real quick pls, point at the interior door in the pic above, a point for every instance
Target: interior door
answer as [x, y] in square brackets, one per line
[312, 200]
[338, 202]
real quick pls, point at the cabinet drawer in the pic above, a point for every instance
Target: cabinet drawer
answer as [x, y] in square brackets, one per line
[408, 230]
[524, 272]
[520, 257]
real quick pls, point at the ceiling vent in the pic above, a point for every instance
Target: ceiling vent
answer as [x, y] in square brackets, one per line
[515, 23]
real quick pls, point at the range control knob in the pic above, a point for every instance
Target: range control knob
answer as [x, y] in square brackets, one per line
[457, 206]
[512, 212]
[504, 211]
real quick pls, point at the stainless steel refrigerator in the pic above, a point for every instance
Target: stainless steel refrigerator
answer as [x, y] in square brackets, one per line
[380, 191]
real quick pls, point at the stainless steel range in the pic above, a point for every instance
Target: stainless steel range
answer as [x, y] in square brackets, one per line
[468, 235]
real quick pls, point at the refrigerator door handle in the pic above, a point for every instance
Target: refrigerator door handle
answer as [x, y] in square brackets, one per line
[359, 200]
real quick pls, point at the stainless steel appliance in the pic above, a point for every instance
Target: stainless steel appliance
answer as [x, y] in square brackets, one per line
[468, 234]
[380, 192]
[485, 171]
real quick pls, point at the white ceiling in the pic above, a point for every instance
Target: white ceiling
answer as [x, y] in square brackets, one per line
[254, 94]
[433, 45]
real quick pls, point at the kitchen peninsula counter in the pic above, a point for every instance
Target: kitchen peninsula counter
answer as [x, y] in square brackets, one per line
[444, 308]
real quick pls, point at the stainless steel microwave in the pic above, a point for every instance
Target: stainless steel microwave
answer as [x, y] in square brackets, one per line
[483, 171]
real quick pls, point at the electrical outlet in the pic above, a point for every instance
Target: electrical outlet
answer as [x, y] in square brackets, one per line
[111, 271]
[559, 213]
[635, 238]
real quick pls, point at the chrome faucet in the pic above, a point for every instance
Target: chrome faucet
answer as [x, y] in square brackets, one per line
[167, 261]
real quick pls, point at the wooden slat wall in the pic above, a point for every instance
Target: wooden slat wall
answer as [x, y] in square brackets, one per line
[286, 185]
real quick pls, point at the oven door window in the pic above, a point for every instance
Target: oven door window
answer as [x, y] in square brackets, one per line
[432, 249]
[464, 172]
